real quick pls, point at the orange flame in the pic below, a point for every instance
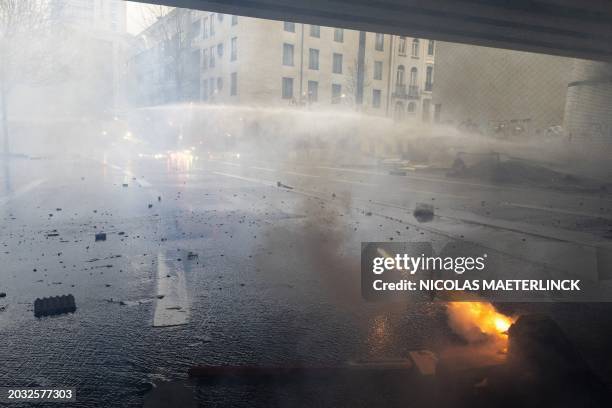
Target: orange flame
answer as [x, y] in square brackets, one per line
[480, 322]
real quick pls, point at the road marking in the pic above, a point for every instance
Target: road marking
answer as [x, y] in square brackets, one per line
[375, 173]
[21, 191]
[228, 163]
[432, 193]
[435, 179]
[353, 182]
[424, 178]
[409, 190]
[173, 308]
[361, 183]
[252, 180]
[128, 173]
[295, 173]
[140, 181]
[558, 210]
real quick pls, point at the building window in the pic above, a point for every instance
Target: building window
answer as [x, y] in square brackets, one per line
[336, 93]
[195, 29]
[195, 59]
[315, 31]
[220, 16]
[220, 50]
[219, 84]
[398, 111]
[437, 112]
[205, 90]
[234, 49]
[401, 50]
[289, 27]
[234, 83]
[212, 57]
[401, 75]
[378, 69]
[413, 76]
[337, 63]
[379, 43]
[205, 28]
[313, 59]
[212, 24]
[426, 108]
[415, 47]
[287, 88]
[205, 59]
[430, 47]
[211, 85]
[313, 91]
[288, 54]
[376, 98]
[429, 79]
[339, 35]
[234, 20]
[411, 107]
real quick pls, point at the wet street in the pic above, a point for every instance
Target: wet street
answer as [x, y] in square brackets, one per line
[211, 261]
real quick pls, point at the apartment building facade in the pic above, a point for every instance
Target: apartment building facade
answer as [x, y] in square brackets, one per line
[241, 60]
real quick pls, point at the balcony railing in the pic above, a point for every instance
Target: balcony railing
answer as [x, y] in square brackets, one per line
[428, 86]
[406, 92]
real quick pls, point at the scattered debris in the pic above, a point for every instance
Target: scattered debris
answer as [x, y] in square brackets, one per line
[150, 205]
[125, 184]
[281, 185]
[54, 305]
[101, 236]
[458, 168]
[2, 294]
[501, 168]
[423, 212]
[192, 255]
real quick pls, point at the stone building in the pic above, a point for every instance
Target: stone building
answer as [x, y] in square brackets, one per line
[248, 61]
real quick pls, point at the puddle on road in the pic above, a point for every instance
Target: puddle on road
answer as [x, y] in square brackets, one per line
[173, 308]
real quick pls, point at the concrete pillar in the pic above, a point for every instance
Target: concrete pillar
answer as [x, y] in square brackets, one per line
[588, 107]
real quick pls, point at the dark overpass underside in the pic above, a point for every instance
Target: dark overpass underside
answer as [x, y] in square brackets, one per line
[573, 28]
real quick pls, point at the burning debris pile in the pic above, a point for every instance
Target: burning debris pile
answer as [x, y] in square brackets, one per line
[480, 323]
[540, 365]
